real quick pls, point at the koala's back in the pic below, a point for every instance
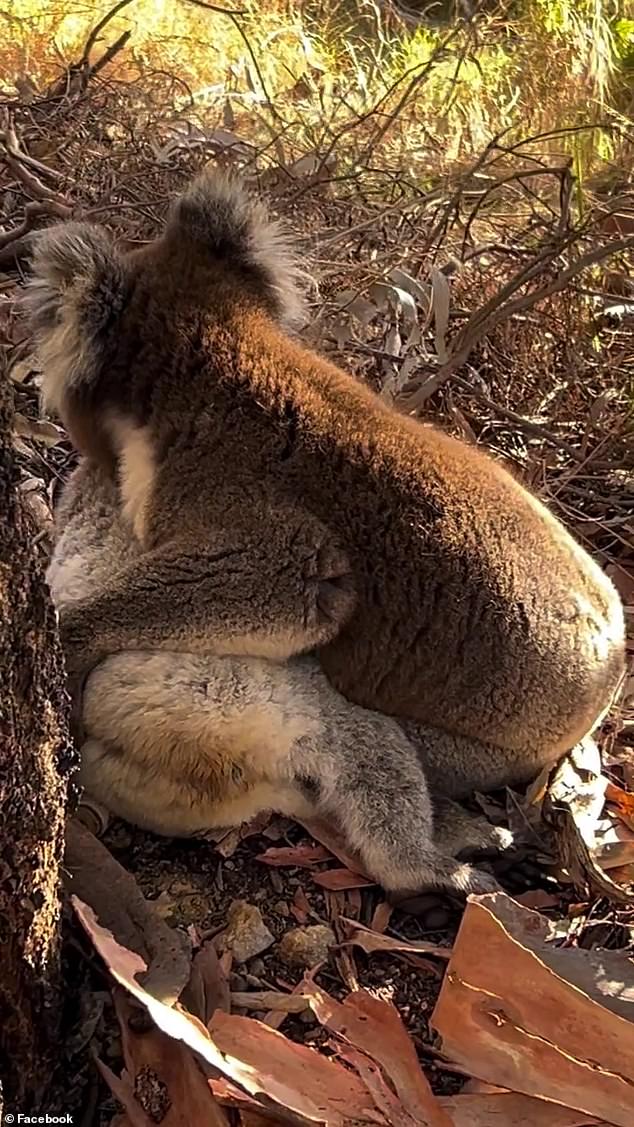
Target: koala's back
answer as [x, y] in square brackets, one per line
[476, 609]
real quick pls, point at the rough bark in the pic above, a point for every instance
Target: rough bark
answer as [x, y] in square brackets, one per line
[35, 762]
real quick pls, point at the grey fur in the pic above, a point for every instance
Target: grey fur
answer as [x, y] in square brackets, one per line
[74, 298]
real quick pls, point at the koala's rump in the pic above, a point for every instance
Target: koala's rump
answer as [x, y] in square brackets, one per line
[483, 617]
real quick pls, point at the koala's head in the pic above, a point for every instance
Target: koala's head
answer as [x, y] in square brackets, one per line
[219, 248]
[78, 288]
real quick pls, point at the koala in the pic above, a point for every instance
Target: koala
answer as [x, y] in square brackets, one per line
[183, 743]
[282, 508]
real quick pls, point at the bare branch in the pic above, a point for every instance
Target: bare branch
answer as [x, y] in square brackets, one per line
[489, 317]
[97, 29]
[26, 175]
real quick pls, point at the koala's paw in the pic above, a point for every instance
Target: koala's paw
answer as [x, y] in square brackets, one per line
[455, 879]
[331, 585]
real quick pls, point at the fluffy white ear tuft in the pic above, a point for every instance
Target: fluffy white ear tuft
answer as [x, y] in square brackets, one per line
[219, 216]
[75, 294]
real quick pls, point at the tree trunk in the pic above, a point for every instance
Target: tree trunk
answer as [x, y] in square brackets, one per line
[35, 762]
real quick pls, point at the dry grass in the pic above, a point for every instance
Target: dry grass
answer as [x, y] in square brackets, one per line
[305, 72]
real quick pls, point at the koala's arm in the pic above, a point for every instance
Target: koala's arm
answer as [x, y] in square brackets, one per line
[241, 595]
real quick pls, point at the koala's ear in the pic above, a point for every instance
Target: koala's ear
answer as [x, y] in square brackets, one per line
[73, 300]
[75, 268]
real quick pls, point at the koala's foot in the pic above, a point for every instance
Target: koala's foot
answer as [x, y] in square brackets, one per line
[427, 868]
[376, 791]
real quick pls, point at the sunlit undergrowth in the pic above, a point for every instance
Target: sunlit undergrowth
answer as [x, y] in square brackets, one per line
[305, 76]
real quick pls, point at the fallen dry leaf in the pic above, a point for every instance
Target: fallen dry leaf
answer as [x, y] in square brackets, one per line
[383, 1095]
[373, 941]
[227, 841]
[296, 1078]
[302, 856]
[327, 835]
[572, 807]
[623, 874]
[208, 988]
[293, 1075]
[510, 1109]
[93, 875]
[382, 916]
[300, 907]
[516, 1011]
[538, 898]
[579, 784]
[375, 1028]
[613, 843]
[623, 800]
[274, 1018]
[122, 1090]
[271, 1000]
[38, 429]
[256, 1119]
[167, 1083]
[338, 880]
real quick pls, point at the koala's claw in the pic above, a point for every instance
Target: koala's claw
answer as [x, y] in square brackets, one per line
[477, 880]
[490, 842]
[462, 881]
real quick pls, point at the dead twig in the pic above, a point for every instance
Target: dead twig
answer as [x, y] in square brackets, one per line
[487, 318]
[25, 174]
[16, 243]
[84, 62]
[269, 1000]
[12, 146]
[540, 430]
[109, 55]
[234, 15]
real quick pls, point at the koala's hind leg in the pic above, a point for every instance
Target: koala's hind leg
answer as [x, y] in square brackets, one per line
[364, 774]
[181, 744]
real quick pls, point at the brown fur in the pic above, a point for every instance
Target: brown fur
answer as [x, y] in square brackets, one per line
[453, 596]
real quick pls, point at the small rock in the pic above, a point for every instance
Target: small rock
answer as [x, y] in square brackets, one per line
[254, 982]
[281, 908]
[256, 967]
[237, 982]
[306, 946]
[246, 934]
